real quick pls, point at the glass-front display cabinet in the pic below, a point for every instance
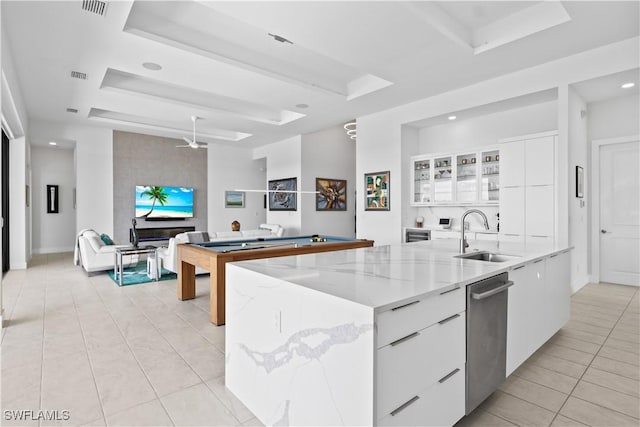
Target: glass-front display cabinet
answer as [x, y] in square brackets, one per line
[422, 181]
[443, 179]
[490, 176]
[470, 177]
[467, 177]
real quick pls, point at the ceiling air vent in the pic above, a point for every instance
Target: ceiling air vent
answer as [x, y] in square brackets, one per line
[95, 6]
[72, 110]
[78, 75]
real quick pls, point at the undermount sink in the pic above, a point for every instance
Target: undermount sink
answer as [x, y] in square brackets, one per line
[488, 256]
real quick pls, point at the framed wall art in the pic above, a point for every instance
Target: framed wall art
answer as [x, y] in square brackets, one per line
[579, 182]
[234, 199]
[332, 194]
[282, 194]
[376, 188]
[52, 199]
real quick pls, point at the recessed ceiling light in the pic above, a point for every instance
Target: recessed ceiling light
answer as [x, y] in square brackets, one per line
[302, 105]
[627, 85]
[452, 117]
[53, 143]
[152, 66]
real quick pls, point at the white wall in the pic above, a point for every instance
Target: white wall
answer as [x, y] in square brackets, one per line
[482, 131]
[379, 136]
[284, 160]
[94, 171]
[329, 153]
[578, 208]
[614, 117]
[18, 256]
[52, 232]
[232, 168]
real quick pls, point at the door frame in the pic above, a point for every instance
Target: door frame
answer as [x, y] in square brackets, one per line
[596, 145]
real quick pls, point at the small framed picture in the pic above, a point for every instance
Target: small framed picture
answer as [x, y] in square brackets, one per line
[283, 194]
[332, 194]
[579, 182]
[234, 199]
[376, 189]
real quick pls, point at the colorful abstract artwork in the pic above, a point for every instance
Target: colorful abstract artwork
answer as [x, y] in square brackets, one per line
[377, 191]
[332, 194]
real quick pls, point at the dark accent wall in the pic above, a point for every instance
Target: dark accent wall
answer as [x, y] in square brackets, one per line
[152, 160]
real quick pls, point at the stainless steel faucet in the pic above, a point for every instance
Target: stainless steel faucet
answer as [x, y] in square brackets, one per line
[463, 241]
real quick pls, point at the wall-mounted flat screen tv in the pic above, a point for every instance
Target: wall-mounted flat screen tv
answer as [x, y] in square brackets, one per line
[164, 202]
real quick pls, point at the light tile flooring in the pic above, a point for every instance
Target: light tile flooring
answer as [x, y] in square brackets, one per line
[138, 356]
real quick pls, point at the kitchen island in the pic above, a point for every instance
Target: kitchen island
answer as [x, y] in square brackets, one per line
[376, 336]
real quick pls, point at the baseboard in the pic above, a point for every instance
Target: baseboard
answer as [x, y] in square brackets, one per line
[18, 266]
[58, 249]
[579, 283]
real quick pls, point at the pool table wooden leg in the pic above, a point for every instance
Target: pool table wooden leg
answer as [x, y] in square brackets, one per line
[217, 291]
[186, 281]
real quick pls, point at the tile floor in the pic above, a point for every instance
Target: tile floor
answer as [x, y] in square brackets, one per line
[136, 356]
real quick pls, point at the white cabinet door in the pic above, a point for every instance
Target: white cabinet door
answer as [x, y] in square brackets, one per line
[512, 164]
[558, 291]
[444, 234]
[519, 314]
[539, 304]
[539, 161]
[539, 212]
[512, 210]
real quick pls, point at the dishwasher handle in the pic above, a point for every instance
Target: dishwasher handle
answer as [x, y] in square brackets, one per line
[493, 291]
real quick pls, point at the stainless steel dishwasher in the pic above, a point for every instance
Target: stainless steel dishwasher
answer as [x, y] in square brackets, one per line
[486, 338]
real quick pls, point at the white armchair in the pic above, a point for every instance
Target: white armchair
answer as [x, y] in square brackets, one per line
[94, 255]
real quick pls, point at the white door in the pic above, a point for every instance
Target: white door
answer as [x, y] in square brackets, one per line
[620, 213]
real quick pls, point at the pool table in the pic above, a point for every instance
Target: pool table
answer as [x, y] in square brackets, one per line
[212, 256]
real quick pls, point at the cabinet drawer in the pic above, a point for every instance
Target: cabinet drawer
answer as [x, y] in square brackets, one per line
[441, 404]
[404, 368]
[417, 314]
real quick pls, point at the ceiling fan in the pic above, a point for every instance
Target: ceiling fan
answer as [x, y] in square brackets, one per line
[192, 143]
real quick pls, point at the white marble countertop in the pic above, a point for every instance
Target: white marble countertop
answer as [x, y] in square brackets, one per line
[382, 277]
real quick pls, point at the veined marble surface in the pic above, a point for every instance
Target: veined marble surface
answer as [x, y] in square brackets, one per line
[383, 276]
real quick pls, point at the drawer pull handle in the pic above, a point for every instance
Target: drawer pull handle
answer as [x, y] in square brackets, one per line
[540, 260]
[450, 290]
[518, 268]
[553, 256]
[449, 375]
[408, 337]
[448, 319]
[406, 305]
[404, 406]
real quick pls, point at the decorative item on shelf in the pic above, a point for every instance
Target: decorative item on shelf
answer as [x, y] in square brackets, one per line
[497, 157]
[332, 194]
[419, 221]
[487, 158]
[377, 186]
[473, 160]
[464, 161]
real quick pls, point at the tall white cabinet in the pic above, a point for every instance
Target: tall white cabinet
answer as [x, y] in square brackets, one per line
[527, 188]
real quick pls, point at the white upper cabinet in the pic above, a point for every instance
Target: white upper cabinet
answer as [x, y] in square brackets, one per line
[539, 158]
[512, 164]
[469, 177]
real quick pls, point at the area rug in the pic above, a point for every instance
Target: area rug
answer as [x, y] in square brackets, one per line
[138, 274]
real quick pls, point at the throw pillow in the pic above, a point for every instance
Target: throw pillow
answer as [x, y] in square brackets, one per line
[106, 239]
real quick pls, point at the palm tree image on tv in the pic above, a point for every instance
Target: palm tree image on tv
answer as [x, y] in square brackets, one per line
[154, 202]
[155, 194]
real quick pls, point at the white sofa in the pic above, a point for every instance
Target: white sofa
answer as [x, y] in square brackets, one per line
[94, 255]
[169, 255]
